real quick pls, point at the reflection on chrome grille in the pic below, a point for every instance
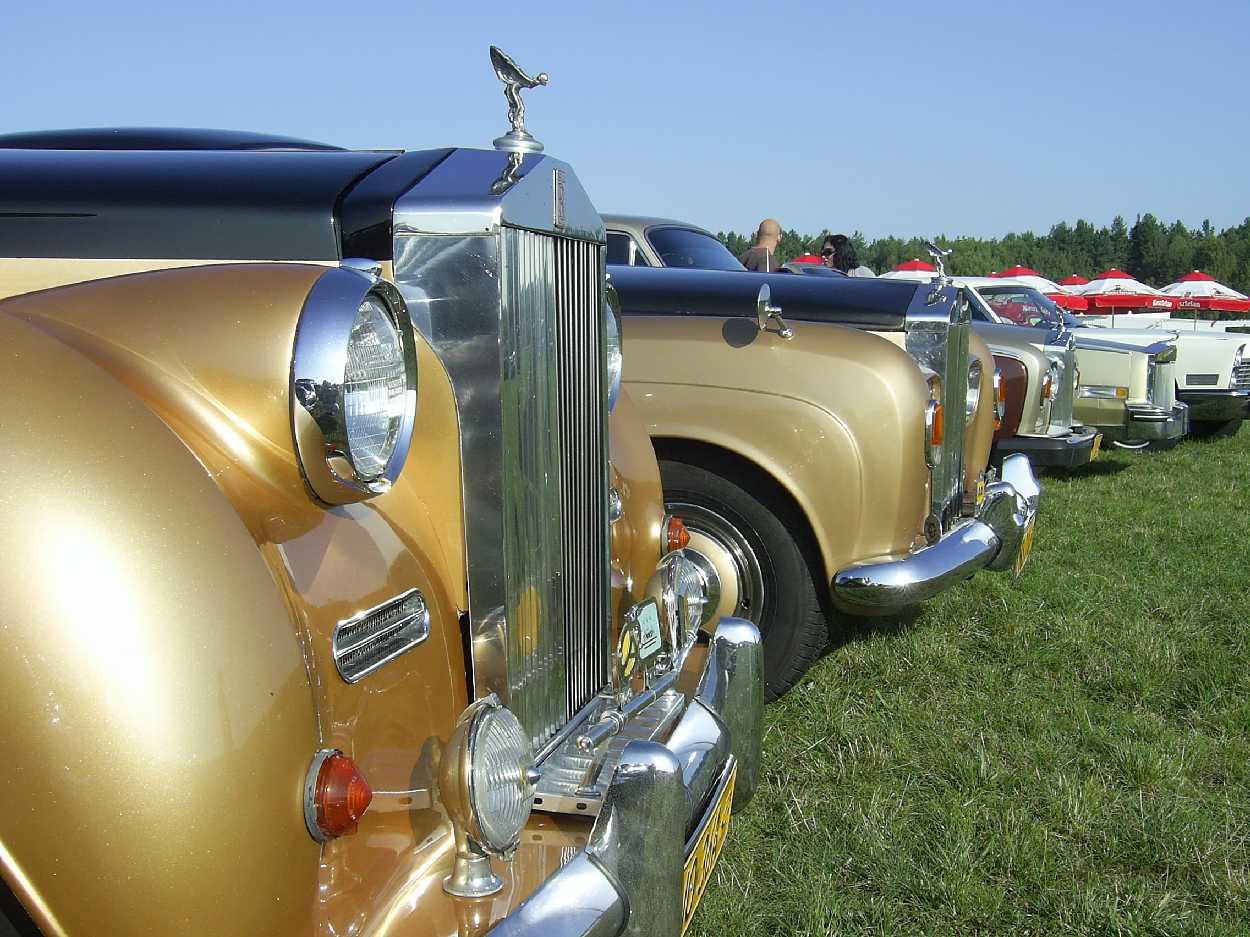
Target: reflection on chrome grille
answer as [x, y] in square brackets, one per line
[584, 478]
[554, 478]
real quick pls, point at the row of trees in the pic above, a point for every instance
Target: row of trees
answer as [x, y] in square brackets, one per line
[1154, 252]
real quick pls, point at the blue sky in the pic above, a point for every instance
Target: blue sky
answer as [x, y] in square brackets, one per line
[956, 117]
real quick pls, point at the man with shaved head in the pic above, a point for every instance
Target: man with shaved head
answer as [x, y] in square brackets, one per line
[761, 257]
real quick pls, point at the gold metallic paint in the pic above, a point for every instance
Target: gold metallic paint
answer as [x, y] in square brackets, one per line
[979, 438]
[187, 588]
[834, 416]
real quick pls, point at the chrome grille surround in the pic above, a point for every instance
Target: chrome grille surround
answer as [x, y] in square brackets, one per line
[512, 302]
[937, 328]
[1062, 406]
[1241, 376]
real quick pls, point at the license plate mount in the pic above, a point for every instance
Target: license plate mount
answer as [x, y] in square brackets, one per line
[696, 872]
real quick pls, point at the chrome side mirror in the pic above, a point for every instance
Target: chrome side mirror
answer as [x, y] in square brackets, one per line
[766, 312]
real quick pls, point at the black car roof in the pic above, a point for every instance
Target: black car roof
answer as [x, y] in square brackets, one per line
[676, 291]
[154, 138]
[196, 194]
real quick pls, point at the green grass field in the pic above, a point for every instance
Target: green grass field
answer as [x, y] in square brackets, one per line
[1066, 755]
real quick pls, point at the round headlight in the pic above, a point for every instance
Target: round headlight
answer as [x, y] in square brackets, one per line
[353, 386]
[974, 387]
[375, 389]
[615, 355]
[500, 788]
[487, 782]
[684, 590]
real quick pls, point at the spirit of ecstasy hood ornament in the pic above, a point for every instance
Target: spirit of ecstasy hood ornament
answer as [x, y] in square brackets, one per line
[518, 139]
[942, 280]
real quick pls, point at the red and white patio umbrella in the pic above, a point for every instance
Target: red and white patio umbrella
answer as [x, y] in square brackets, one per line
[1048, 288]
[1198, 290]
[1115, 291]
[1075, 280]
[913, 269]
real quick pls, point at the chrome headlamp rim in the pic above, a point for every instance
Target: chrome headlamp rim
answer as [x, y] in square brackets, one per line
[974, 389]
[318, 369]
[459, 780]
[1238, 357]
[614, 348]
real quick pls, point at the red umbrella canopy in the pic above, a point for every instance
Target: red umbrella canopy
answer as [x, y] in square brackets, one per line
[916, 264]
[1197, 277]
[1019, 270]
[1075, 280]
[1113, 274]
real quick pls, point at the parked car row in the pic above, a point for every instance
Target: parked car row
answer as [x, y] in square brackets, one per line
[399, 546]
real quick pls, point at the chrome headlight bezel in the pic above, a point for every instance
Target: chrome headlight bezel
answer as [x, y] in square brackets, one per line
[974, 389]
[614, 349]
[317, 393]
[1238, 356]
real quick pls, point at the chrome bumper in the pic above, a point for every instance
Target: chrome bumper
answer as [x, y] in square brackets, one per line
[990, 540]
[1154, 424]
[628, 879]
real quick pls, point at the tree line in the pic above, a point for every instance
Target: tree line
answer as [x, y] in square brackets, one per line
[1151, 250]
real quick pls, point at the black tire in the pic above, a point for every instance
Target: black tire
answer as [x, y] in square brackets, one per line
[788, 611]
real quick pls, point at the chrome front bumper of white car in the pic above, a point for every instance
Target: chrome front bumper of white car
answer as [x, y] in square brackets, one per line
[990, 540]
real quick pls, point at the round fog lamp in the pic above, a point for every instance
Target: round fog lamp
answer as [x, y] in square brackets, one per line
[374, 389]
[487, 786]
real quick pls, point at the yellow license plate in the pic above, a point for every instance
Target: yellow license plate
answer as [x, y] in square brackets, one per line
[1026, 547]
[697, 871]
[1093, 453]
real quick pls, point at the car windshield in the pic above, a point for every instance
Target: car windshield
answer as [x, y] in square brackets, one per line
[682, 247]
[1023, 305]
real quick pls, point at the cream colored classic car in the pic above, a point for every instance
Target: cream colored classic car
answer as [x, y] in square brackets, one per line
[338, 597]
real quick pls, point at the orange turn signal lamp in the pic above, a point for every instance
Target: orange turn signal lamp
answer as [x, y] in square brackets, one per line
[938, 432]
[676, 537]
[336, 795]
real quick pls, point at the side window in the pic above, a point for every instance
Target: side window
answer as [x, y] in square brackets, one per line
[623, 250]
[618, 248]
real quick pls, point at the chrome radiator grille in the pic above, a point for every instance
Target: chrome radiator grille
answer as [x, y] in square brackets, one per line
[938, 330]
[1065, 396]
[554, 477]
[1241, 376]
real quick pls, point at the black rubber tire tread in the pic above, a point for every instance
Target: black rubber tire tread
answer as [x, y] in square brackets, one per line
[795, 629]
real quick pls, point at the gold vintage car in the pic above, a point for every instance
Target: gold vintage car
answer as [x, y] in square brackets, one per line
[336, 594]
[825, 442]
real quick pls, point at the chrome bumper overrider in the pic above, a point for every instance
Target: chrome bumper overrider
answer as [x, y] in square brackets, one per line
[991, 540]
[628, 879]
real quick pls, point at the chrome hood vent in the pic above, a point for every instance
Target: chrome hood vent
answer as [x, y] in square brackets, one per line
[500, 259]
